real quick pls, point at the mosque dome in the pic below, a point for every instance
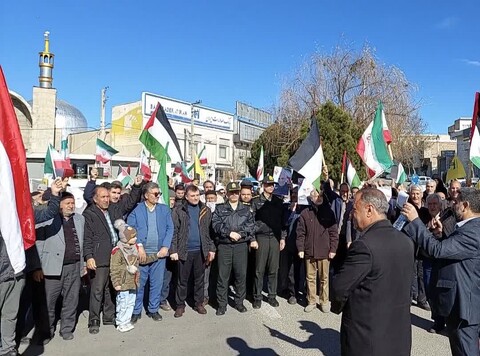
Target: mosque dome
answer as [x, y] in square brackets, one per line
[69, 117]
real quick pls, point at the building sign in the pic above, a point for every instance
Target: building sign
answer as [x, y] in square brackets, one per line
[182, 111]
[249, 133]
[247, 113]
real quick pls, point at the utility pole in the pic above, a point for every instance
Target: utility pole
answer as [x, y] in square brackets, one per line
[102, 112]
[192, 134]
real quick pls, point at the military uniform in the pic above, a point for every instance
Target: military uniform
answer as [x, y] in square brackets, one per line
[268, 233]
[231, 254]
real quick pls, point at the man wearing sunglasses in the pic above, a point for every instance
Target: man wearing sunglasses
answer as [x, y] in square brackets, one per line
[234, 226]
[153, 222]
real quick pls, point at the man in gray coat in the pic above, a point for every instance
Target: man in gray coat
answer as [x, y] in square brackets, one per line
[458, 286]
[59, 244]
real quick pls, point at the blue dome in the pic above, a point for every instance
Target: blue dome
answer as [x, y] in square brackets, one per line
[69, 117]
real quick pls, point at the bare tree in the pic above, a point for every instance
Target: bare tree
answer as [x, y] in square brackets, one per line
[355, 81]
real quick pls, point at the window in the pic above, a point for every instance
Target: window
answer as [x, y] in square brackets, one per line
[222, 153]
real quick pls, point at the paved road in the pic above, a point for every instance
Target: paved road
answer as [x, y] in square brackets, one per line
[286, 330]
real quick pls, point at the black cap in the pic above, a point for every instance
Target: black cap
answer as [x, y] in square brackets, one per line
[233, 187]
[66, 195]
[246, 183]
[268, 179]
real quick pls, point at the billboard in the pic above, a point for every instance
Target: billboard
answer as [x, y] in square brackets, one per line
[182, 111]
[249, 114]
[127, 122]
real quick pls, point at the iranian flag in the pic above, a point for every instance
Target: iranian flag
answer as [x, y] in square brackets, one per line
[104, 152]
[56, 165]
[352, 176]
[17, 223]
[372, 146]
[308, 159]
[475, 133]
[145, 167]
[260, 168]
[202, 156]
[158, 137]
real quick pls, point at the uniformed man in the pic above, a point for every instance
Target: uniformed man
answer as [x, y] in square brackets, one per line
[234, 226]
[269, 241]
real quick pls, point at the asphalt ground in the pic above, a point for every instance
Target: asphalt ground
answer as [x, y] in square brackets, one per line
[286, 330]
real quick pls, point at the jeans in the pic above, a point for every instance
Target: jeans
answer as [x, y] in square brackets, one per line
[154, 273]
[125, 305]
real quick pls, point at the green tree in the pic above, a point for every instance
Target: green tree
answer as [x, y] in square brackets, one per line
[338, 133]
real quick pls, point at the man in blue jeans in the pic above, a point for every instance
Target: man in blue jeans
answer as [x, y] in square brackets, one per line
[153, 222]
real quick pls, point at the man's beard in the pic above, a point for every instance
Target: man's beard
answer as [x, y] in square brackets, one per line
[458, 217]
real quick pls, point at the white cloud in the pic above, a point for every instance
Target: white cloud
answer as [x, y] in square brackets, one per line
[472, 63]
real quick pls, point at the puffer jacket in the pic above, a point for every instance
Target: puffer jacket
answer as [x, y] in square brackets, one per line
[181, 230]
[225, 220]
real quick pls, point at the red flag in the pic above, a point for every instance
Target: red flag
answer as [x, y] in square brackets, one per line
[17, 223]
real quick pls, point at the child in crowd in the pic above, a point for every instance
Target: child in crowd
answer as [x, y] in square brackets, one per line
[124, 273]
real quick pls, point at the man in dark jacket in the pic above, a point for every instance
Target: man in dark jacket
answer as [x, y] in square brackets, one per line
[234, 227]
[120, 205]
[372, 287]
[317, 241]
[269, 241]
[100, 237]
[192, 247]
[458, 285]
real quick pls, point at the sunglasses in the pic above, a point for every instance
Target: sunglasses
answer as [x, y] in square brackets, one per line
[156, 194]
[236, 192]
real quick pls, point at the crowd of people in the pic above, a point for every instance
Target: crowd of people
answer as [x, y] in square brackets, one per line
[128, 254]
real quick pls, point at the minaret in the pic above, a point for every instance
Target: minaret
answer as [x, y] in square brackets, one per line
[46, 64]
[44, 131]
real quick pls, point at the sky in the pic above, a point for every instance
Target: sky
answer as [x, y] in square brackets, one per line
[222, 51]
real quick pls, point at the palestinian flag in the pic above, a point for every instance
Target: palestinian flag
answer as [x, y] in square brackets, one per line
[401, 175]
[352, 176]
[308, 159]
[17, 223]
[157, 134]
[475, 133]
[56, 165]
[181, 170]
[261, 167]
[104, 152]
[124, 175]
[372, 146]
[145, 167]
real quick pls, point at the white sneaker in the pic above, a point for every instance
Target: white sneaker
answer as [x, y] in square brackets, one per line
[309, 308]
[124, 328]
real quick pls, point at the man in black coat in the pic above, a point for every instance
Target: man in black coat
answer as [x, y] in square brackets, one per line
[192, 247]
[372, 288]
[458, 285]
[100, 237]
[234, 227]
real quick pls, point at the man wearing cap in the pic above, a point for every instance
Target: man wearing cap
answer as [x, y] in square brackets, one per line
[60, 247]
[234, 226]
[269, 241]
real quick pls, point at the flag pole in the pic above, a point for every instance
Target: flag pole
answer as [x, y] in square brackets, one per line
[344, 161]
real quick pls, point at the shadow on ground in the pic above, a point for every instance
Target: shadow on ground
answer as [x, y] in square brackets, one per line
[240, 345]
[326, 341]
